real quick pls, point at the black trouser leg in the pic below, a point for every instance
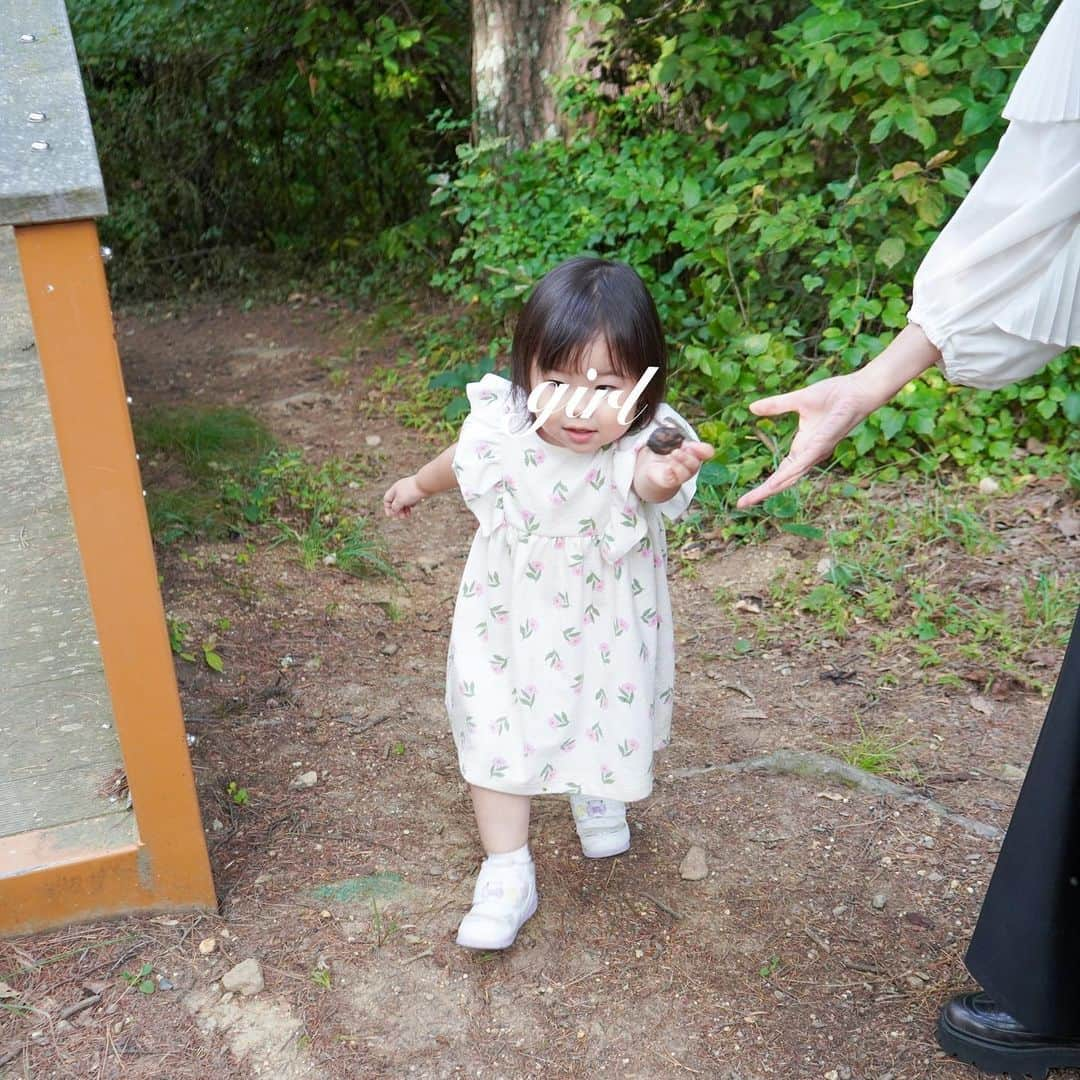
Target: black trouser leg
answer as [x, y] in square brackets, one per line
[1025, 951]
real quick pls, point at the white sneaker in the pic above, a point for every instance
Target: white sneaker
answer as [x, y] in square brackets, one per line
[601, 825]
[503, 900]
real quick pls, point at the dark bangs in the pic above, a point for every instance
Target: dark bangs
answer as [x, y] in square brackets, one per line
[580, 301]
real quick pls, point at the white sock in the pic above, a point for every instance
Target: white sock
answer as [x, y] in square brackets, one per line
[521, 857]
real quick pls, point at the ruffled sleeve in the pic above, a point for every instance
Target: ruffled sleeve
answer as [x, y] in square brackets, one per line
[999, 291]
[631, 516]
[481, 445]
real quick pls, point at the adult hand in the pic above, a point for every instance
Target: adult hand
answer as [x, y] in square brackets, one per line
[827, 410]
[830, 409]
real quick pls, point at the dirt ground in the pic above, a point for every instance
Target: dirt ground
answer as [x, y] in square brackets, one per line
[831, 922]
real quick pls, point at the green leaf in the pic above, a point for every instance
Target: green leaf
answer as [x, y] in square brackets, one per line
[978, 118]
[891, 251]
[1071, 407]
[913, 42]
[691, 193]
[891, 421]
[213, 660]
[811, 532]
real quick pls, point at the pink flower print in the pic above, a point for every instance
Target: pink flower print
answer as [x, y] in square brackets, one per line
[560, 543]
[596, 732]
[577, 683]
[499, 613]
[528, 749]
[561, 599]
[650, 617]
[548, 772]
[591, 611]
[606, 775]
[626, 692]
[567, 745]
[534, 570]
[558, 493]
[628, 746]
[482, 630]
[528, 627]
[483, 450]
[498, 767]
[629, 517]
[539, 455]
[656, 560]
[573, 635]
[605, 652]
[498, 663]
[508, 484]
[601, 697]
[621, 626]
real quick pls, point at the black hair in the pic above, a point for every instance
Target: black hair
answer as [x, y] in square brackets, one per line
[577, 302]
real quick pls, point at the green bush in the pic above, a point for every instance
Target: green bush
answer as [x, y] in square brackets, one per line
[233, 131]
[775, 171]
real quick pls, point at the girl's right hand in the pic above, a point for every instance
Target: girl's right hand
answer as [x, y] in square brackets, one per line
[402, 496]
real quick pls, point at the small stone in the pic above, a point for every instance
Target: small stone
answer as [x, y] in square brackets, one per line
[305, 780]
[844, 1073]
[373, 440]
[878, 901]
[928, 841]
[390, 648]
[824, 566]
[694, 866]
[246, 978]
[63, 1026]
[207, 946]
[216, 825]
[324, 914]
[914, 982]
[989, 486]
[839, 909]
[1012, 772]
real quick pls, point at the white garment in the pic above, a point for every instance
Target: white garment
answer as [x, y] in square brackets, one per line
[560, 668]
[999, 291]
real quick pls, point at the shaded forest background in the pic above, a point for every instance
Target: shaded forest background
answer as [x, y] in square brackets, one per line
[775, 171]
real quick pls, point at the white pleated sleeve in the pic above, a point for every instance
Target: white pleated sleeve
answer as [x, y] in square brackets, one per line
[999, 291]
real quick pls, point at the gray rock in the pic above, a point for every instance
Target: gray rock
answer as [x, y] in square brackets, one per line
[878, 902]
[305, 780]
[246, 978]
[694, 866]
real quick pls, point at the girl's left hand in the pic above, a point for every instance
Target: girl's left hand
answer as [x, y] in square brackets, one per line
[674, 469]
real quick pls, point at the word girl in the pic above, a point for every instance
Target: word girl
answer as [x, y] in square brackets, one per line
[560, 667]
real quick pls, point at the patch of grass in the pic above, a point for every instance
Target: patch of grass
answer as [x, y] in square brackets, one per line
[237, 480]
[884, 566]
[876, 752]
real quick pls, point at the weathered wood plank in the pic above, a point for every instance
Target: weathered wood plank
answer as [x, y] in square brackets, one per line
[58, 743]
[48, 160]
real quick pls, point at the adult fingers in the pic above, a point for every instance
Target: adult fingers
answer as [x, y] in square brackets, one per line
[779, 403]
[789, 471]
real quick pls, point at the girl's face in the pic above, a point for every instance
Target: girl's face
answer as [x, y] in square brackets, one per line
[585, 434]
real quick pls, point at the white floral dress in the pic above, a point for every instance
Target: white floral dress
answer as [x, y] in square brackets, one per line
[560, 667]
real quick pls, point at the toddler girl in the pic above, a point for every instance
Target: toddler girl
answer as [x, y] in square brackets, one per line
[560, 666]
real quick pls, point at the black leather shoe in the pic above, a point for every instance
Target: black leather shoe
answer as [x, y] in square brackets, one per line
[974, 1029]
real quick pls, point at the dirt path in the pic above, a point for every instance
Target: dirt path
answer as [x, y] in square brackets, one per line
[829, 926]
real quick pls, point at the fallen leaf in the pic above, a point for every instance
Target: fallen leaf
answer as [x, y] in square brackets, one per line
[981, 705]
[752, 605]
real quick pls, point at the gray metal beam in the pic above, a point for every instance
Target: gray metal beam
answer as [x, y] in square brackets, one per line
[48, 161]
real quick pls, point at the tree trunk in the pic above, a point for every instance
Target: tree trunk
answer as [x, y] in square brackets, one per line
[517, 46]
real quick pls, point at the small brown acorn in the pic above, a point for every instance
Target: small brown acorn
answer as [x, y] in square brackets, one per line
[665, 438]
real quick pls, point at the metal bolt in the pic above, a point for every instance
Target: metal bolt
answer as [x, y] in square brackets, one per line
[106, 253]
[129, 399]
[39, 146]
[37, 117]
[26, 39]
